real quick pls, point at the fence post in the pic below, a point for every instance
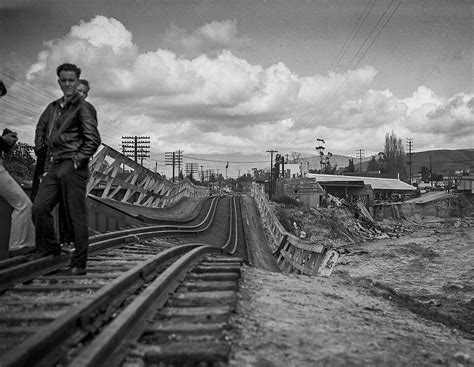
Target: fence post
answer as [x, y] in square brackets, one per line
[282, 243]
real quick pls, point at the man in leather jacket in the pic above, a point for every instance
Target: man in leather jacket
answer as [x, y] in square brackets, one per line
[65, 236]
[67, 130]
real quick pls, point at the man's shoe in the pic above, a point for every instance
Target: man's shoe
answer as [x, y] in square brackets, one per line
[78, 271]
[67, 247]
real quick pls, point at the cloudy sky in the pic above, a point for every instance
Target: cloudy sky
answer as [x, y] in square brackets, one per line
[233, 79]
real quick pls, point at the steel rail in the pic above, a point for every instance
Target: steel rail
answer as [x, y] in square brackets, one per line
[39, 348]
[236, 228]
[42, 347]
[232, 227]
[112, 341]
[109, 347]
[26, 271]
[118, 235]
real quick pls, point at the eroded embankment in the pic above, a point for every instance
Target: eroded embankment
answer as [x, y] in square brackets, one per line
[402, 294]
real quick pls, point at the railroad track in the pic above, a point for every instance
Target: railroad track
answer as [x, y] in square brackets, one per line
[145, 299]
[22, 268]
[22, 256]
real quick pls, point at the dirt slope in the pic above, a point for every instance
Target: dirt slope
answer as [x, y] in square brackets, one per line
[403, 300]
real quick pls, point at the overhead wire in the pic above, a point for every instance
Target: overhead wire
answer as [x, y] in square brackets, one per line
[223, 161]
[341, 83]
[380, 31]
[370, 35]
[329, 96]
[24, 103]
[357, 26]
[22, 81]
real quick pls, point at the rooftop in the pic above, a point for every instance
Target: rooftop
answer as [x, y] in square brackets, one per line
[377, 183]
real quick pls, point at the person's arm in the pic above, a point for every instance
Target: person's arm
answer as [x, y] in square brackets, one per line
[90, 134]
[41, 131]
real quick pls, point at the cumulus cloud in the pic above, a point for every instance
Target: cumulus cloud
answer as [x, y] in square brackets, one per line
[209, 38]
[218, 102]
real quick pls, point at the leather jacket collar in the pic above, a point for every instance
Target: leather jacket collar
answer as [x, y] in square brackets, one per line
[73, 101]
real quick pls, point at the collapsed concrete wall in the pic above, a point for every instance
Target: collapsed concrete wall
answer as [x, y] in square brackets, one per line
[460, 205]
[387, 211]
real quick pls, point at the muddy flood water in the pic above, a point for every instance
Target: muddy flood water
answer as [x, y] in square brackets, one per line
[406, 301]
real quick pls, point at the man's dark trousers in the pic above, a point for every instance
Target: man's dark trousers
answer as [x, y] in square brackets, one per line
[63, 181]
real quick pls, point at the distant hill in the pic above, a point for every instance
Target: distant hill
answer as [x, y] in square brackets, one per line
[340, 160]
[444, 161]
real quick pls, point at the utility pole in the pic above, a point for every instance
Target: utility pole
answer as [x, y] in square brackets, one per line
[319, 148]
[173, 158]
[192, 169]
[431, 173]
[410, 145]
[360, 152]
[179, 158]
[282, 160]
[202, 174]
[136, 146]
[271, 172]
[169, 161]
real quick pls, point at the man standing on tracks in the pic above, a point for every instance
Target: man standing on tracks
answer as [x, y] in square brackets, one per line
[65, 234]
[68, 130]
[66, 237]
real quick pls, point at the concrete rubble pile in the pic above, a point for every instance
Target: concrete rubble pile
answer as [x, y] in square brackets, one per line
[340, 224]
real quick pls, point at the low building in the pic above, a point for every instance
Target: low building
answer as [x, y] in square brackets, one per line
[466, 184]
[366, 189]
[302, 189]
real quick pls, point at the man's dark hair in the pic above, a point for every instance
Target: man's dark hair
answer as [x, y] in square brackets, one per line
[69, 67]
[85, 82]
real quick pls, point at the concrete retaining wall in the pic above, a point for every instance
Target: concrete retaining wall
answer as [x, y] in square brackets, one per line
[453, 206]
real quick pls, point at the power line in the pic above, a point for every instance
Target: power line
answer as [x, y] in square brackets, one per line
[378, 32]
[370, 34]
[318, 101]
[352, 34]
[10, 74]
[325, 99]
[219, 161]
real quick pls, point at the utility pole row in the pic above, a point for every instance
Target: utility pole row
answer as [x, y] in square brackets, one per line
[410, 145]
[271, 171]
